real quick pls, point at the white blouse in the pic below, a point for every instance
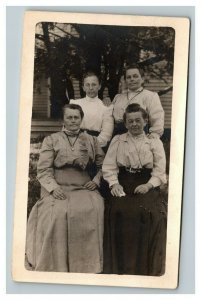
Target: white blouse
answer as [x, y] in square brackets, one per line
[148, 100]
[97, 117]
[136, 152]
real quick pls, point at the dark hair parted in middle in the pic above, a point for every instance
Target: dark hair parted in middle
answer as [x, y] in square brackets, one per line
[89, 74]
[74, 106]
[134, 107]
[134, 66]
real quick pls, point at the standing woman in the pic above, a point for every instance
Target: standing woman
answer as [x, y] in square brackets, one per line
[150, 101]
[65, 227]
[135, 225]
[98, 120]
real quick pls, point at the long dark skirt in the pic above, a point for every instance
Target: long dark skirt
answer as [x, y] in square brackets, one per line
[135, 229]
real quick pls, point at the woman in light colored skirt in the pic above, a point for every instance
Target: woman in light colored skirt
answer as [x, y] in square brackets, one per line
[65, 227]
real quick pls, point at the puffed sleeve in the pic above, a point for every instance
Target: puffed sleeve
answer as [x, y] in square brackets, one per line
[107, 126]
[110, 167]
[99, 157]
[158, 175]
[45, 170]
[156, 114]
[116, 97]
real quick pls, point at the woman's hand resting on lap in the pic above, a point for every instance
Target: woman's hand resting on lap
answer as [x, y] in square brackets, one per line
[59, 194]
[90, 185]
[143, 188]
[117, 190]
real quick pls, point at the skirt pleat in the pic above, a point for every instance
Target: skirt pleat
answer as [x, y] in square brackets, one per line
[67, 235]
[135, 230]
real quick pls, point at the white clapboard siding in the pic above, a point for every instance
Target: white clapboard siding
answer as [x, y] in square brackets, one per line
[76, 88]
[157, 85]
[41, 95]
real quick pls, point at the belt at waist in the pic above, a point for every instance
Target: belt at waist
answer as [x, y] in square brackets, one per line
[91, 132]
[72, 166]
[135, 171]
[64, 167]
[118, 121]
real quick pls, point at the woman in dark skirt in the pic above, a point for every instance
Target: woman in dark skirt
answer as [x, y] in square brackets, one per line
[135, 213]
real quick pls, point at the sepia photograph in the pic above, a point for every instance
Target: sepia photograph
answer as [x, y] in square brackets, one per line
[103, 98]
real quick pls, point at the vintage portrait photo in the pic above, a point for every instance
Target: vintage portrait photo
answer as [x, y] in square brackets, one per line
[100, 149]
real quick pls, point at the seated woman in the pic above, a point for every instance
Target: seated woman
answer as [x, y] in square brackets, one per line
[65, 227]
[135, 218]
[150, 101]
[98, 120]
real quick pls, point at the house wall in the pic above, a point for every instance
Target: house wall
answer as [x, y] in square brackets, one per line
[157, 85]
[41, 99]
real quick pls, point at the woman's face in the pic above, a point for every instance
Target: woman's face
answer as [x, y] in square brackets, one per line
[91, 86]
[72, 119]
[135, 123]
[133, 79]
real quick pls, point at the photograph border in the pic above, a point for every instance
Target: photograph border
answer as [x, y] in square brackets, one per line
[169, 280]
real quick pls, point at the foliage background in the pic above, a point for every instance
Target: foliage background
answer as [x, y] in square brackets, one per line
[66, 51]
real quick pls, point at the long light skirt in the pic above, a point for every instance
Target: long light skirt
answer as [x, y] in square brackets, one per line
[67, 235]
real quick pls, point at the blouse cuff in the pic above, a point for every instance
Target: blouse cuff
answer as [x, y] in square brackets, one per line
[50, 187]
[155, 181]
[158, 132]
[112, 182]
[155, 134]
[97, 178]
[102, 142]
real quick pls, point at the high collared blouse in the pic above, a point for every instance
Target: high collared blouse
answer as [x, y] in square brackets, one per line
[136, 152]
[56, 152]
[97, 117]
[148, 100]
